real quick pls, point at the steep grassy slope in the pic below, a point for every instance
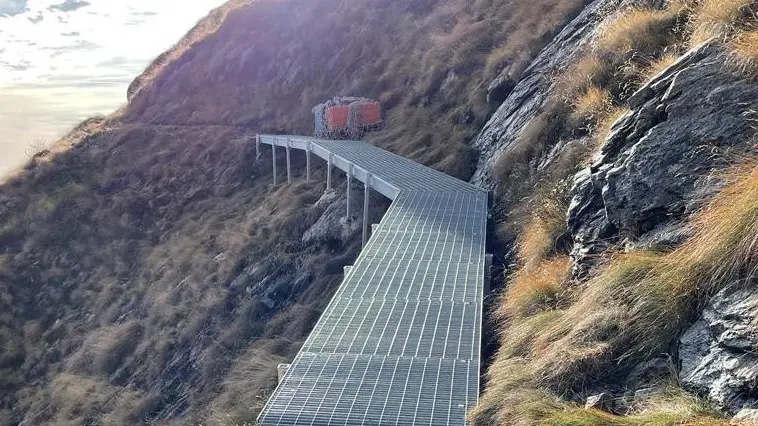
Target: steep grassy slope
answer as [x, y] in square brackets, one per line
[118, 263]
[150, 274]
[428, 62]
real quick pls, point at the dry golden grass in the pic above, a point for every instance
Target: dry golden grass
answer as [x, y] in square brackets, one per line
[547, 222]
[744, 49]
[625, 43]
[104, 349]
[658, 65]
[430, 64]
[535, 288]
[591, 107]
[672, 410]
[515, 172]
[637, 31]
[142, 230]
[588, 72]
[557, 341]
[543, 264]
[247, 387]
[632, 310]
[721, 19]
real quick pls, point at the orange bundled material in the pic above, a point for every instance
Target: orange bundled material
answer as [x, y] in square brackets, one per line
[336, 117]
[371, 114]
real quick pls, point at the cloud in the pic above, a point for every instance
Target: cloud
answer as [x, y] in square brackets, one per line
[16, 66]
[61, 62]
[77, 45]
[70, 5]
[12, 7]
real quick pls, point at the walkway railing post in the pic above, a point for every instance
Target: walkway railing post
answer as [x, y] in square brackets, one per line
[366, 195]
[308, 163]
[273, 158]
[257, 147]
[289, 165]
[329, 172]
[349, 188]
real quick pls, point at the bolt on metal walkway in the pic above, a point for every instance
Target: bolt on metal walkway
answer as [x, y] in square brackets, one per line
[399, 343]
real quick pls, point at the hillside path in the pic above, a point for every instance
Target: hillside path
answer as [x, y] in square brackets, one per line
[400, 341]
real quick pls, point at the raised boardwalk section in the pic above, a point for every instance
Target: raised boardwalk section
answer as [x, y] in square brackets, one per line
[399, 344]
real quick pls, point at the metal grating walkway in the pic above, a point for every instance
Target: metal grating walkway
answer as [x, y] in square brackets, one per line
[399, 343]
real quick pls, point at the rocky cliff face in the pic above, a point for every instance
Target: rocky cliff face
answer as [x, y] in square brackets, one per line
[660, 163]
[661, 159]
[522, 100]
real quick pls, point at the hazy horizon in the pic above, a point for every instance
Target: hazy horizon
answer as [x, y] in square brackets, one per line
[62, 61]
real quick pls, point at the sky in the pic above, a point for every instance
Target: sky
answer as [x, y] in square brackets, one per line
[62, 61]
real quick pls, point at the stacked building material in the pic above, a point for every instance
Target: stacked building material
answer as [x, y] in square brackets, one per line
[346, 117]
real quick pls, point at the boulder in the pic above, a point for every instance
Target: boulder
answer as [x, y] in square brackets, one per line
[644, 394]
[650, 373]
[656, 166]
[746, 417]
[333, 226]
[328, 198]
[602, 401]
[717, 353]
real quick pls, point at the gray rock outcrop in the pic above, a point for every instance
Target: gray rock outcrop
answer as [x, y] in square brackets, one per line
[602, 401]
[658, 161]
[524, 100]
[717, 353]
[746, 417]
[333, 225]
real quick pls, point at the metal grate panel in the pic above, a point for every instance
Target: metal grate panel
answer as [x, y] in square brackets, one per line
[399, 343]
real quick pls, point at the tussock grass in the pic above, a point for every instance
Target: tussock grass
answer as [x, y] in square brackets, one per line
[637, 31]
[632, 310]
[538, 239]
[684, 412]
[544, 265]
[535, 288]
[555, 340]
[591, 107]
[671, 408]
[658, 65]
[516, 166]
[625, 43]
[129, 245]
[589, 97]
[721, 18]
[744, 50]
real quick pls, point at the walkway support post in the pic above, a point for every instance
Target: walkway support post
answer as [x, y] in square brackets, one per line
[257, 147]
[329, 172]
[349, 188]
[366, 195]
[273, 158]
[289, 165]
[308, 163]
[487, 273]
